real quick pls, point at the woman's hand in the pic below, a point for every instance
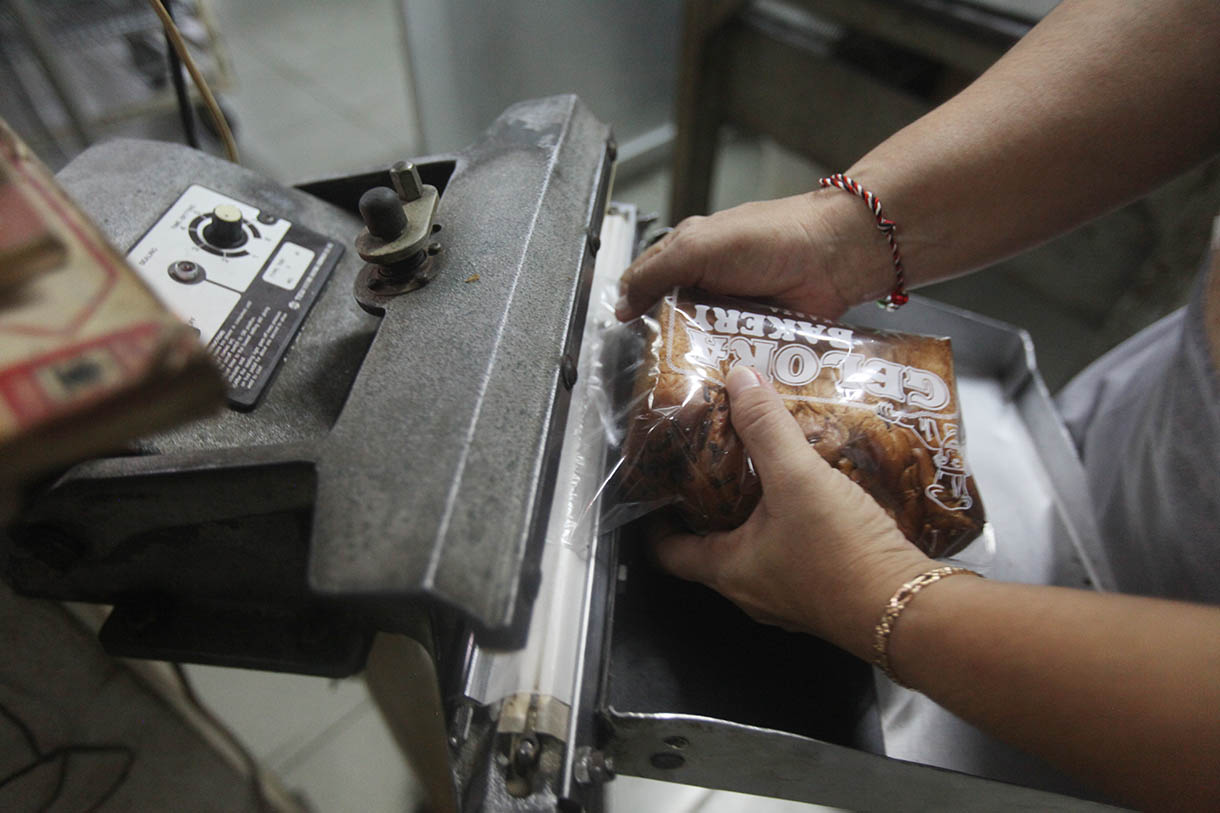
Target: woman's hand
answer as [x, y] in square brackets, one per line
[1118, 690]
[818, 253]
[818, 555]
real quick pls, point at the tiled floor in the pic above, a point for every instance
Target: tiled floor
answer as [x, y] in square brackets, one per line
[321, 87]
[324, 739]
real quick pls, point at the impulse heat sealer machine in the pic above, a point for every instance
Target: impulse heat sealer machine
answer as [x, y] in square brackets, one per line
[412, 448]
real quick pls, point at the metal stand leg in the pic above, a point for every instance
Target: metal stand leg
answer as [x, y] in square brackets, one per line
[44, 52]
[401, 677]
[698, 112]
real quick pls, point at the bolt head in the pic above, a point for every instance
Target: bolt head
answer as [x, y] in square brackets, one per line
[567, 371]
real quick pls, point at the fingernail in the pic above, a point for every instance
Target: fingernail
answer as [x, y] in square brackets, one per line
[621, 309]
[740, 379]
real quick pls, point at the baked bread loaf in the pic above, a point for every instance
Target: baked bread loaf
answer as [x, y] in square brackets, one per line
[880, 407]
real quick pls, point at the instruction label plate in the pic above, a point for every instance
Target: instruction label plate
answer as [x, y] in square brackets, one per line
[247, 299]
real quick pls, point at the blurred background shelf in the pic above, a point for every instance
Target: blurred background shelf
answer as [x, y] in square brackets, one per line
[79, 70]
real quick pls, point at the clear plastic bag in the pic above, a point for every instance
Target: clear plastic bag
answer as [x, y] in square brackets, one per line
[879, 406]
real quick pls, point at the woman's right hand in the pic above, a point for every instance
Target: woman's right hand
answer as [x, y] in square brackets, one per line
[817, 555]
[818, 253]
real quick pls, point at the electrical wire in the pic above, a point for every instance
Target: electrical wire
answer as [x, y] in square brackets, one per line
[64, 753]
[61, 755]
[28, 735]
[56, 791]
[179, 84]
[218, 117]
[26, 732]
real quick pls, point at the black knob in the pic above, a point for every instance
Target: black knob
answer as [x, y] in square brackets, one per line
[382, 213]
[224, 230]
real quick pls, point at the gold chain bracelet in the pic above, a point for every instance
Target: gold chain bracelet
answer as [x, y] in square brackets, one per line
[894, 607]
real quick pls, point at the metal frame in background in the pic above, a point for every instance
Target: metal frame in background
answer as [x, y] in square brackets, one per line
[73, 75]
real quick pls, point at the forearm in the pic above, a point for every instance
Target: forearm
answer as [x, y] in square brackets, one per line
[1122, 692]
[1097, 105]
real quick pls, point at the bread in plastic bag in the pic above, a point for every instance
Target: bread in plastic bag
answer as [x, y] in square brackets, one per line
[879, 406]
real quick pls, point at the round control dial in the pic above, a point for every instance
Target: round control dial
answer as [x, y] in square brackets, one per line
[224, 230]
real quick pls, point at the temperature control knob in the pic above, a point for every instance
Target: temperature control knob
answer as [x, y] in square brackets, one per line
[225, 230]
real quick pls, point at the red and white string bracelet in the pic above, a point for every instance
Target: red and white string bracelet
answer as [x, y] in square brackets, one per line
[898, 296]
